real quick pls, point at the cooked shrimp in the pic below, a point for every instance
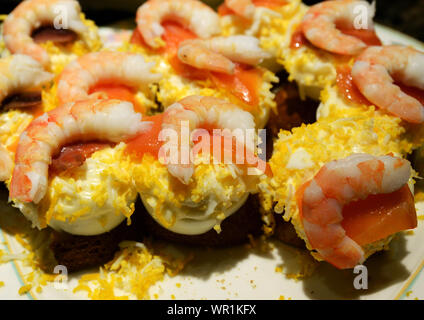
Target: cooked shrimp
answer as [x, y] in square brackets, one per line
[218, 53]
[320, 22]
[32, 14]
[244, 8]
[372, 73]
[338, 183]
[202, 111]
[80, 75]
[193, 53]
[193, 14]
[111, 120]
[20, 72]
[6, 164]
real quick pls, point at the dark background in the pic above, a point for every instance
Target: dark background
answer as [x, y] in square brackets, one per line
[404, 15]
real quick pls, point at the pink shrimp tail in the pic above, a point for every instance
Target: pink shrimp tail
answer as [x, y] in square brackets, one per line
[346, 256]
[20, 185]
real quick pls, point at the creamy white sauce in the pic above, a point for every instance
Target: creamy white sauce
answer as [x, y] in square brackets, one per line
[193, 220]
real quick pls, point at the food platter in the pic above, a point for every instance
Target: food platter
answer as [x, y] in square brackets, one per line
[250, 272]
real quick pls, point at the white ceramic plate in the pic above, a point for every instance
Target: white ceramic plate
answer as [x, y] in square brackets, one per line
[242, 273]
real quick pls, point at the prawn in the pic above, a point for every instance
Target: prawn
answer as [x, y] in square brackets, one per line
[338, 183]
[373, 71]
[19, 73]
[320, 23]
[80, 75]
[111, 120]
[32, 14]
[197, 16]
[202, 111]
[218, 53]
